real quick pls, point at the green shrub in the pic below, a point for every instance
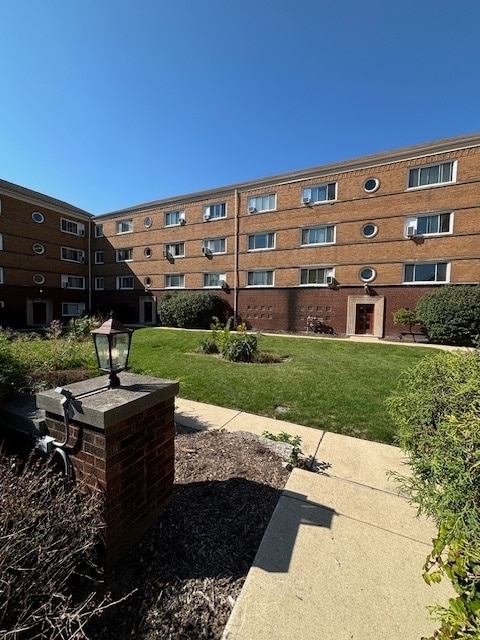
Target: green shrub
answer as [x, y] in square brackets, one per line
[405, 317]
[451, 315]
[11, 369]
[241, 347]
[436, 409]
[190, 310]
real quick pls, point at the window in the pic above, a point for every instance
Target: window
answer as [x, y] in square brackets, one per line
[69, 226]
[38, 278]
[73, 282]
[318, 235]
[215, 245]
[124, 282]
[147, 281]
[426, 272]
[320, 193]
[371, 185]
[432, 174]
[147, 222]
[367, 274]
[125, 226]
[99, 284]
[431, 224]
[38, 217]
[260, 278]
[369, 230]
[147, 252]
[173, 218]
[1, 241]
[99, 257]
[1, 275]
[213, 279]
[174, 281]
[174, 250]
[73, 255]
[38, 248]
[99, 231]
[262, 203]
[315, 275]
[124, 255]
[73, 308]
[261, 241]
[215, 211]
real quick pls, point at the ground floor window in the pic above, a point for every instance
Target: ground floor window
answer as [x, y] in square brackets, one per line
[73, 308]
[260, 279]
[175, 281]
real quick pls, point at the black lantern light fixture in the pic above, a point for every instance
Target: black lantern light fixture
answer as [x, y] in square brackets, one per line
[112, 345]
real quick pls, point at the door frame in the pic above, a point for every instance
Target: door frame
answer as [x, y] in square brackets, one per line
[141, 311]
[378, 314]
[48, 310]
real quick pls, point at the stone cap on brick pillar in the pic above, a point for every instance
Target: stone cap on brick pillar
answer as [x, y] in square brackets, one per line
[100, 407]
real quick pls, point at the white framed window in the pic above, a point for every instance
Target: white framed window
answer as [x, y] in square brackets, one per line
[72, 255]
[259, 278]
[124, 255]
[258, 204]
[38, 217]
[175, 281]
[147, 281]
[99, 257]
[215, 211]
[125, 226]
[37, 247]
[174, 250]
[369, 230]
[319, 193]
[1, 275]
[99, 231]
[371, 185]
[147, 252]
[174, 218]
[214, 279]
[318, 235]
[431, 224]
[73, 282]
[38, 278]
[124, 282]
[99, 283]
[1, 241]
[76, 309]
[426, 272]
[148, 222]
[431, 174]
[316, 275]
[261, 241]
[70, 226]
[214, 245]
[367, 274]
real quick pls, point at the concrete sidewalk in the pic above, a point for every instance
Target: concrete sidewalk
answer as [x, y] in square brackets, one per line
[342, 556]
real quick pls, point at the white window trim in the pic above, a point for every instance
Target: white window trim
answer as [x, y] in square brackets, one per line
[97, 256]
[261, 233]
[118, 259]
[212, 251]
[252, 208]
[256, 286]
[1, 276]
[221, 276]
[181, 217]
[119, 281]
[169, 275]
[167, 249]
[330, 271]
[1, 241]
[435, 184]
[426, 282]
[99, 231]
[79, 225]
[412, 221]
[207, 211]
[96, 282]
[319, 244]
[317, 186]
[120, 222]
[79, 251]
[66, 284]
[73, 315]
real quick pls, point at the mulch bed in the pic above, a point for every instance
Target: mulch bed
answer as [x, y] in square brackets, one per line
[190, 567]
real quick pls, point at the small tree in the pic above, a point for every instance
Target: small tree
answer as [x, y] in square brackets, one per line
[406, 317]
[451, 315]
[190, 310]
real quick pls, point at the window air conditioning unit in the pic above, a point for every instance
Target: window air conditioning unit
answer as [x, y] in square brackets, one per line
[183, 221]
[252, 209]
[223, 284]
[167, 254]
[65, 285]
[81, 232]
[411, 232]
[330, 280]
[206, 251]
[206, 217]
[306, 200]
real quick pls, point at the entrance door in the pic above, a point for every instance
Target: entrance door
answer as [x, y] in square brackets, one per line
[364, 319]
[39, 309]
[147, 310]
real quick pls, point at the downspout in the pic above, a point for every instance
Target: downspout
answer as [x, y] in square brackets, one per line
[235, 260]
[89, 266]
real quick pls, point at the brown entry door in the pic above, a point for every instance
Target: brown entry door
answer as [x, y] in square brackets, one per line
[364, 319]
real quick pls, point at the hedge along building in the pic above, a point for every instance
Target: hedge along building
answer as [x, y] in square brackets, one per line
[350, 243]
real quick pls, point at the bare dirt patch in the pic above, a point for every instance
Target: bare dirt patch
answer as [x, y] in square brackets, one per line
[190, 567]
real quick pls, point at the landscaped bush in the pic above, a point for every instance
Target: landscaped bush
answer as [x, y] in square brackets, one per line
[49, 553]
[436, 408]
[11, 369]
[451, 315]
[190, 310]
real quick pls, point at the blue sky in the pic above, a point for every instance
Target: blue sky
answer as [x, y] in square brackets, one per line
[110, 103]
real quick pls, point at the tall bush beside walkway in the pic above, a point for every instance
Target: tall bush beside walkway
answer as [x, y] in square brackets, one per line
[436, 408]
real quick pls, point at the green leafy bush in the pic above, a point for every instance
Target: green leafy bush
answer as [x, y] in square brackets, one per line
[451, 315]
[405, 317]
[190, 310]
[436, 408]
[11, 369]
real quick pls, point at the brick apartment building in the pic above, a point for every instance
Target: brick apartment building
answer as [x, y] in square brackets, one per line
[350, 243]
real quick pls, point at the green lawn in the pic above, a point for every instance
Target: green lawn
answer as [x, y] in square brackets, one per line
[336, 385]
